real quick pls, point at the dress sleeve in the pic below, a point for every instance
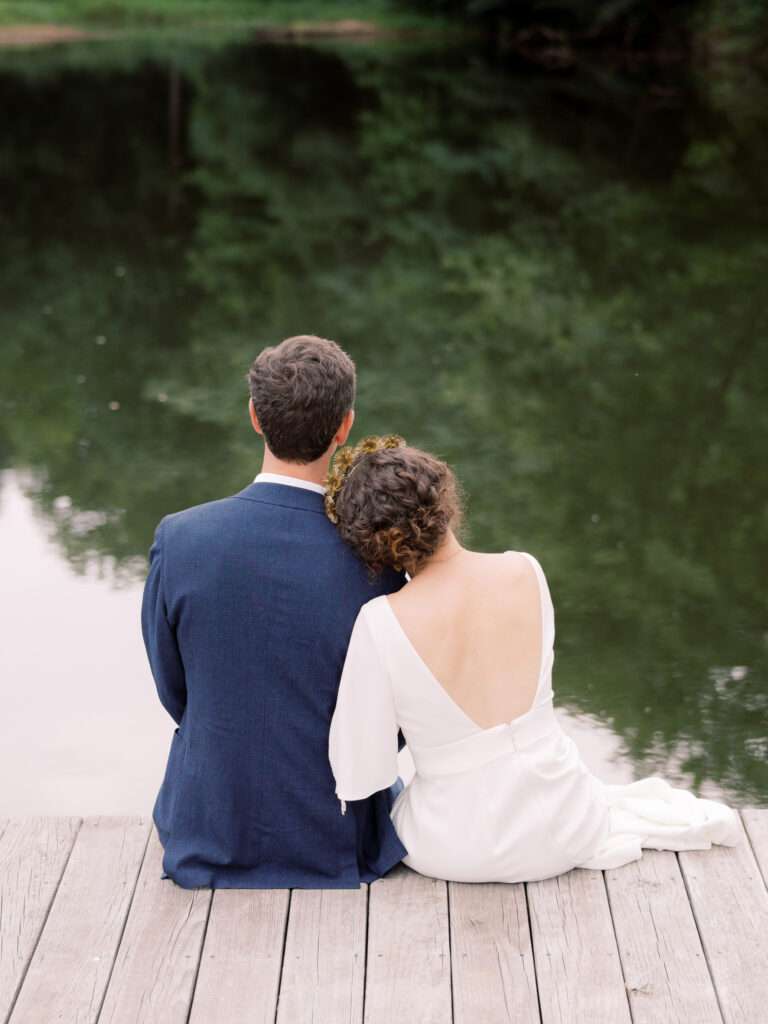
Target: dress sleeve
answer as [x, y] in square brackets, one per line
[363, 740]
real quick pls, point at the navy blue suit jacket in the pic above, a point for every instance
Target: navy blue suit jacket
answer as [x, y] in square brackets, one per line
[247, 612]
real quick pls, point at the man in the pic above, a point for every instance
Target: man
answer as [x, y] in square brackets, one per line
[247, 613]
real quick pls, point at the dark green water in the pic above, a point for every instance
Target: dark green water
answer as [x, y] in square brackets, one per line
[557, 280]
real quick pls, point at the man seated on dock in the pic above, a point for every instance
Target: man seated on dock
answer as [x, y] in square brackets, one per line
[247, 612]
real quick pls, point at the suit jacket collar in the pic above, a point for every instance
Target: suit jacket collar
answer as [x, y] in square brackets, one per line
[285, 495]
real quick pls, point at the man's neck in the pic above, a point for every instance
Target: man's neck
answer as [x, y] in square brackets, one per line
[313, 472]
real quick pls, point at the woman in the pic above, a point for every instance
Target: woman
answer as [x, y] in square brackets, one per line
[461, 660]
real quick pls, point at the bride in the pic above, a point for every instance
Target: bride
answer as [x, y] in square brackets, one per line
[460, 659]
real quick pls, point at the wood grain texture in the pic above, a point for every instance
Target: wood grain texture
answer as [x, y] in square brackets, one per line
[756, 823]
[324, 962]
[408, 976]
[664, 966]
[574, 946]
[71, 965]
[491, 955]
[730, 904]
[156, 964]
[241, 959]
[87, 925]
[33, 853]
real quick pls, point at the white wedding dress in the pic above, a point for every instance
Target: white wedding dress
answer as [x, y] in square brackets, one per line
[510, 803]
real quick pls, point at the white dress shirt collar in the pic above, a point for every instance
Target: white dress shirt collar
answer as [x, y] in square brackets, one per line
[291, 481]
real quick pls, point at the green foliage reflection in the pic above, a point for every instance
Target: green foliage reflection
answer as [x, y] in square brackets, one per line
[554, 281]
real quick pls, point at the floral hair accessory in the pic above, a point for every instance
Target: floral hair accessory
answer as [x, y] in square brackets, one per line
[347, 459]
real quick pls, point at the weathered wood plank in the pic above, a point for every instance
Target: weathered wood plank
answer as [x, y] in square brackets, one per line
[574, 947]
[665, 970]
[156, 964]
[73, 959]
[69, 954]
[324, 962]
[408, 973]
[494, 980]
[730, 904]
[33, 854]
[242, 956]
[756, 823]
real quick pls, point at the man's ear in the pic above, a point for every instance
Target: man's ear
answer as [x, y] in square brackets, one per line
[346, 426]
[254, 418]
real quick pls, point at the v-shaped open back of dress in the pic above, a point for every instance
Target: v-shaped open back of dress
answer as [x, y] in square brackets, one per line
[405, 662]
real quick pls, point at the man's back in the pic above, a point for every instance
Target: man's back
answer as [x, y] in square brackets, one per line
[247, 614]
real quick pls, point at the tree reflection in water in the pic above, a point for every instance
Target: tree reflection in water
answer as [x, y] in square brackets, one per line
[554, 280]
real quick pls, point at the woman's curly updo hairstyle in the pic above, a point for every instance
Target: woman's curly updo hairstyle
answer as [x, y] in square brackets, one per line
[392, 503]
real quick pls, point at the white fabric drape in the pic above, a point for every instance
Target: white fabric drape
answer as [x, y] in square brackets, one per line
[362, 744]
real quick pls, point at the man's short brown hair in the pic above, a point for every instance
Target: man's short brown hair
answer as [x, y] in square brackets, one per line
[301, 390]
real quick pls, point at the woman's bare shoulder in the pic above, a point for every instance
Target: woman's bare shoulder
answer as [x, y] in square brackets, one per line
[475, 567]
[505, 565]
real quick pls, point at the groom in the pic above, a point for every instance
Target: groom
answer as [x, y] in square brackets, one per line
[247, 612]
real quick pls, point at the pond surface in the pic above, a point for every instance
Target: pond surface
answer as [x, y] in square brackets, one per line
[555, 279]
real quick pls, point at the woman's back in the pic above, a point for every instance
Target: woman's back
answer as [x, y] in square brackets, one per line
[475, 621]
[498, 792]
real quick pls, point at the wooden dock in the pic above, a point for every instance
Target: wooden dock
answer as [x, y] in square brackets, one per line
[90, 932]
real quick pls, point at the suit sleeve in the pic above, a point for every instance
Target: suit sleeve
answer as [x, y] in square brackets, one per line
[160, 637]
[363, 739]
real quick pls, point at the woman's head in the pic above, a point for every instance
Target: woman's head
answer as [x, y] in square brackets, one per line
[392, 503]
